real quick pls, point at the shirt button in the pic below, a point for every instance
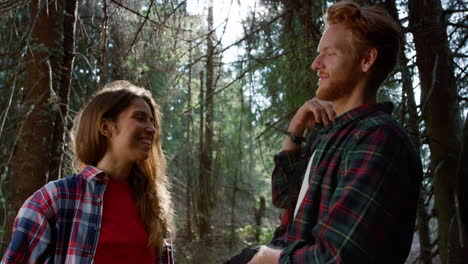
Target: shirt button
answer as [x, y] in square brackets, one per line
[99, 200]
[90, 256]
[98, 228]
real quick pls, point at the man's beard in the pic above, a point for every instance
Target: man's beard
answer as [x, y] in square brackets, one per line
[337, 89]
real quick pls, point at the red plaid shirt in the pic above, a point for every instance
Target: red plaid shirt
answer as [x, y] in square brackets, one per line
[60, 223]
[360, 206]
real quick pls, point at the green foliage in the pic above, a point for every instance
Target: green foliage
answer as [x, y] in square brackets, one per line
[247, 235]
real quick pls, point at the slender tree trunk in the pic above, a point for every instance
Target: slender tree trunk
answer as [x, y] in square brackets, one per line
[202, 200]
[30, 161]
[57, 152]
[462, 194]
[441, 114]
[206, 168]
[413, 129]
[259, 214]
[103, 42]
[189, 173]
[238, 170]
[233, 209]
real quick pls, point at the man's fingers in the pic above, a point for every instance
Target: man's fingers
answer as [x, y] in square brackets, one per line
[330, 111]
[327, 109]
[320, 114]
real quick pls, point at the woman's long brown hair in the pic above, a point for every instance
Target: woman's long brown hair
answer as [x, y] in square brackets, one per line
[148, 178]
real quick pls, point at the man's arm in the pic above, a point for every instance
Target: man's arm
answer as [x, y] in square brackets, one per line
[373, 187]
[290, 163]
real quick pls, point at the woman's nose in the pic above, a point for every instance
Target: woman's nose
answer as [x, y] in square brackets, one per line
[151, 128]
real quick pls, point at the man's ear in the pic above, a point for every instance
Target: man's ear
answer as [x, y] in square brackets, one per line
[369, 59]
[106, 127]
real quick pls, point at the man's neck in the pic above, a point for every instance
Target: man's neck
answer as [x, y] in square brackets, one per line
[357, 98]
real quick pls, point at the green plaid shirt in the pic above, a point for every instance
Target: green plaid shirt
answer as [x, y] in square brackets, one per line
[360, 206]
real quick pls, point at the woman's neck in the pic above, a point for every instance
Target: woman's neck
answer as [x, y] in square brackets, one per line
[114, 168]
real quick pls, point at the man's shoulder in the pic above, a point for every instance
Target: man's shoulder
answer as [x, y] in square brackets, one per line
[382, 122]
[382, 128]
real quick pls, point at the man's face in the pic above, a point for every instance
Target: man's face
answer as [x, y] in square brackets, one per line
[337, 64]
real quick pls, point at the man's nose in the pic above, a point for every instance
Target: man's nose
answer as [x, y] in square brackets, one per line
[317, 63]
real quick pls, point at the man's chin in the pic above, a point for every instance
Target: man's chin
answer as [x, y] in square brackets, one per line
[332, 93]
[324, 94]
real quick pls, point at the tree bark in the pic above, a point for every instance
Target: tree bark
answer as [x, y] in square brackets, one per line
[206, 168]
[57, 152]
[30, 161]
[412, 125]
[189, 164]
[441, 114]
[462, 193]
[259, 214]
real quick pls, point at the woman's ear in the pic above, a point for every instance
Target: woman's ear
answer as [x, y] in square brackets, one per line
[105, 127]
[369, 59]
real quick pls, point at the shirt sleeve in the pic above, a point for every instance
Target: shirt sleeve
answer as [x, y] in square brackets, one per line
[286, 177]
[375, 192]
[31, 238]
[289, 171]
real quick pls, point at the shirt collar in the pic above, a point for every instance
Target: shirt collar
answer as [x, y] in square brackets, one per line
[361, 112]
[91, 172]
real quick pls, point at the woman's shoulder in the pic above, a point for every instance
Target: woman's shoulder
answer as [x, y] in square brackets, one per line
[72, 184]
[60, 192]
[83, 177]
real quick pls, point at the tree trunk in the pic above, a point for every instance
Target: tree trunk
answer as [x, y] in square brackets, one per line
[441, 114]
[412, 125]
[201, 195]
[259, 214]
[57, 151]
[233, 209]
[207, 151]
[462, 189]
[189, 173]
[30, 161]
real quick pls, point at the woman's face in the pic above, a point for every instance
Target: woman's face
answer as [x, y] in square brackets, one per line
[132, 136]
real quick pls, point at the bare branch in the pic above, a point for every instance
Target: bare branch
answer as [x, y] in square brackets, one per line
[452, 11]
[12, 4]
[139, 29]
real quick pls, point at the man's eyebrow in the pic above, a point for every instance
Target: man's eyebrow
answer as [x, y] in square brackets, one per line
[323, 49]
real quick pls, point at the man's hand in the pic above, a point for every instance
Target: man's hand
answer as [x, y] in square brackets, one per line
[266, 255]
[312, 112]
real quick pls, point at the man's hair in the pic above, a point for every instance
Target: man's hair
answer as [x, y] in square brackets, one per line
[371, 27]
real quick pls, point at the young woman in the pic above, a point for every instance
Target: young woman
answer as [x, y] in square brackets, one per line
[118, 208]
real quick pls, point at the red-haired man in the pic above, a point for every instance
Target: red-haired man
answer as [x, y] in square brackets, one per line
[350, 193]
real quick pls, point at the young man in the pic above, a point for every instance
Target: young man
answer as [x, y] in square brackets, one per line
[350, 195]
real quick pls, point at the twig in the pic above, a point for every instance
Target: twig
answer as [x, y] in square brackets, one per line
[139, 29]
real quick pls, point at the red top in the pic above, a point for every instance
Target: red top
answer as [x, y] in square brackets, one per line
[123, 238]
